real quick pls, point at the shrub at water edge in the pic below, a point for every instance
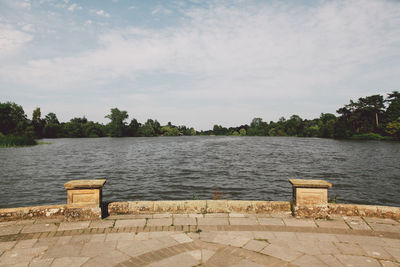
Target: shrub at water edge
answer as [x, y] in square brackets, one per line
[12, 141]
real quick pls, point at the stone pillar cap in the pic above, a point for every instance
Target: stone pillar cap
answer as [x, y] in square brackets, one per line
[85, 184]
[310, 183]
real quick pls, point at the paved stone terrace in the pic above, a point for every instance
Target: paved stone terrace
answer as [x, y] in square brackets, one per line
[201, 240]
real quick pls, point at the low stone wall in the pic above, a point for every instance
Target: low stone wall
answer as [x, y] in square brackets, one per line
[71, 213]
[310, 200]
[331, 209]
[198, 206]
[64, 212]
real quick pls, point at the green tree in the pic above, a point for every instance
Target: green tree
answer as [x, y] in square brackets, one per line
[37, 123]
[257, 127]
[169, 131]
[51, 118]
[52, 127]
[52, 130]
[326, 125]
[219, 130]
[242, 132]
[117, 125]
[311, 131]
[92, 129]
[293, 126]
[393, 129]
[150, 128]
[74, 127]
[133, 128]
[360, 117]
[13, 119]
[393, 110]
[153, 127]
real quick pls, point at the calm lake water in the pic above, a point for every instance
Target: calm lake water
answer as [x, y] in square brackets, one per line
[162, 168]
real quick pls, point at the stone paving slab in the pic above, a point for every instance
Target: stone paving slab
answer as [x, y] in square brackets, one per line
[10, 229]
[385, 227]
[185, 221]
[341, 224]
[213, 221]
[243, 221]
[160, 222]
[299, 223]
[35, 228]
[187, 240]
[73, 225]
[271, 221]
[102, 224]
[357, 223]
[130, 223]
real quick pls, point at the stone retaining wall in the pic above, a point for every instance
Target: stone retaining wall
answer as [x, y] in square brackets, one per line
[199, 206]
[70, 213]
[326, 211]
[64, 212]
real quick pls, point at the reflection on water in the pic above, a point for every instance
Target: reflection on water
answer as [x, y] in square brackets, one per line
[195, 167]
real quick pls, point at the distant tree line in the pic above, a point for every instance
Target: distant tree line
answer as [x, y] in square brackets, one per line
[371, 117]
[15, 123]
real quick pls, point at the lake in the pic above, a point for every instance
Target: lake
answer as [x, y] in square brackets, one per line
[165, 168]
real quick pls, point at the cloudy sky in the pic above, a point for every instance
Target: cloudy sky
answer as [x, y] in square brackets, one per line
[196, 63]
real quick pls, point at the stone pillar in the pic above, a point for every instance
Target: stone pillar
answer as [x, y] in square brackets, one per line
[84, 193]
[308, 192]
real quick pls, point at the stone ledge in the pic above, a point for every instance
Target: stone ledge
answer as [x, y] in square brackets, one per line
[65, 212]
[310, 183]
[85, 184]
[199, 206]
[326, 211]
[70, 213]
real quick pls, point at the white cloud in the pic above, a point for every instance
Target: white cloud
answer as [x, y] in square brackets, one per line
[11, 39]
[28, 27]
[161, 10]
[74, 7]
[101, 13]
[25, 4]
[240, 62]
[131, 7]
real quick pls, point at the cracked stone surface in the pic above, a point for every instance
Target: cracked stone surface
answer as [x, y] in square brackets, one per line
[208, 240]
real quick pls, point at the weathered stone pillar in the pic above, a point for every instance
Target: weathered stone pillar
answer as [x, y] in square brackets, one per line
[84, 193]
[310, 197]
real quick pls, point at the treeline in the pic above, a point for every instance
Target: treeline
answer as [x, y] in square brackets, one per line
[15, 123]
[371, 117]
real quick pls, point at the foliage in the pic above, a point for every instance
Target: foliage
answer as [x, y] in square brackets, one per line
[37, 123]
[369, 118]
[393, 129]
[169, 131]
[12, 119]
[393, 110]
[219, 130]
[257, 127]
[364, 115]
[368, 136]
[11, 141]
[51, 118]
[117, 125]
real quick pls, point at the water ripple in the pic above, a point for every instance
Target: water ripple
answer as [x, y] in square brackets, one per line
[196, 167]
